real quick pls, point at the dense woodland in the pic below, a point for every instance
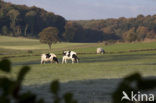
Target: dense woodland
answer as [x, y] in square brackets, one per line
[20, 20]
[127, 29]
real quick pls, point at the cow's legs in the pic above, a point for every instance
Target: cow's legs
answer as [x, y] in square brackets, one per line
[51, 61]
[42, 62]
[77, 60]
[62, 60]
[73, 60]
[66, 61]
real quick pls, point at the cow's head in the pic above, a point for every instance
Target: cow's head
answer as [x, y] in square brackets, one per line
[55, 59]
[64, 52]
[75, 57]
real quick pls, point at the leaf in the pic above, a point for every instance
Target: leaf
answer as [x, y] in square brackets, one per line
[55, 87]
[125, 85]
[22, 73]
[41, 101]
[4, 99]
[147, 84]
[6, 86]
[27, 97]
[68, 98]
[5, 65]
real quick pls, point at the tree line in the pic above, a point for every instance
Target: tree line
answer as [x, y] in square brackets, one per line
[126, 29]
[74, 32]
[20, 20]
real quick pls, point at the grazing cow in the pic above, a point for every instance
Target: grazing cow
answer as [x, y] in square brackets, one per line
[69, 55]
[48, 57]
[100, 51]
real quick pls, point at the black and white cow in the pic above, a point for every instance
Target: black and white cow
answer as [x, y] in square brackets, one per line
[49, 57]
[70, 55]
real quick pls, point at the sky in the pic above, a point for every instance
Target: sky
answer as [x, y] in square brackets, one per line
[93, 9]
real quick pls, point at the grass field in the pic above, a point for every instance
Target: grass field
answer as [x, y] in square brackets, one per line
[97, 74]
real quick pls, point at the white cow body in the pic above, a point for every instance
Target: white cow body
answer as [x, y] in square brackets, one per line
[100, 51]
[70, 55]
[52, 58]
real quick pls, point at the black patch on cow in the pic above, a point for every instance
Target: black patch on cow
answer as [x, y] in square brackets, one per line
[69, 53]
[48, 55]
[55, 59]
[75, 57]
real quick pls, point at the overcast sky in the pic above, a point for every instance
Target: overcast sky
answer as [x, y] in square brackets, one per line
[94, 9]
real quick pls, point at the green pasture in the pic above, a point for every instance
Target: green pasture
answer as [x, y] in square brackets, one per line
[116, 63]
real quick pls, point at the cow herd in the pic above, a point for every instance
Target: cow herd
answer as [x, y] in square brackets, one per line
[67, 55]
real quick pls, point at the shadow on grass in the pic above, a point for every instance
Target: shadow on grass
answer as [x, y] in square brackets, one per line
[27, 63]
[87, 91]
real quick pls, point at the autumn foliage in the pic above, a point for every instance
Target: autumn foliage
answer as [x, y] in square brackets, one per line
[49, 35]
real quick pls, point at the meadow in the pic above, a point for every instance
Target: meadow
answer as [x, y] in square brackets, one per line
[93, 79]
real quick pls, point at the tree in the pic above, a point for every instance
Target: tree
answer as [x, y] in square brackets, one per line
[70, 32]
[151, 34]
[141, 32]
[49, 35]
[1, 7]
[73, 32]
[13, 16]
[30, 21]
[108, 30]
[130, 35]
[21, 20]
[4, 30]
[18, 31]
